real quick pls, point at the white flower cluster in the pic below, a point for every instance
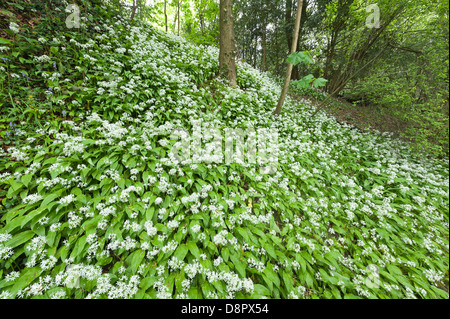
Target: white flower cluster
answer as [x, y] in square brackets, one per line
[433, 275]
[32, 198]
[17, 154]
[5, 251]
[14, 27]
[42, 58]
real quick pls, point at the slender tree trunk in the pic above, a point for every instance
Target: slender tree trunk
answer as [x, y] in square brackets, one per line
[264, 47]
[293, 49]
[264, 36]
[255, 52]
[179, 18]
[175, 22]
[134, 11]
[165, 15]
[287, 21]
[201, 18]
[227, 61]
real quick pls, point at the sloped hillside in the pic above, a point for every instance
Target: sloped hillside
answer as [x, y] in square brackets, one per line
[94, 206]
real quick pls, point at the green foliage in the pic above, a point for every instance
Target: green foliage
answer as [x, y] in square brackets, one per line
[411, 81]
[300, 57]
[92, 206]
[201, 22]
[305, 82]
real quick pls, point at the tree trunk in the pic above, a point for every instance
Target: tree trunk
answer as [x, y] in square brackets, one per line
[175, 22]
[264, 47]
[165, 15]
[179, 13]
[287, 22]
[288, 31]
[134, 11]
[293, 50]
[255, 52]
[227, 61]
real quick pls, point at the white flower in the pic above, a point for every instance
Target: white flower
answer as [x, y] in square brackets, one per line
[14, 27]
[55, 227]
[196, 228]
[218, 261]
[173, 224]
[67, 199]
[31, 199]
[13, 275]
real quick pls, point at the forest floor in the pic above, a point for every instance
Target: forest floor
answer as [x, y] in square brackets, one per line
[91, 178]
[367, 117]
[363, 117]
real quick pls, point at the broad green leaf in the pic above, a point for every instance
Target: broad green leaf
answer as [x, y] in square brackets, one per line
[181, 252]
[48, 199]
[20, 238]
[26, 179]
[25, 279]
[147, 282]
[136, 261]
[4, 41]
[239, 266]
[193, 249]
[300, 57]
[319, 82]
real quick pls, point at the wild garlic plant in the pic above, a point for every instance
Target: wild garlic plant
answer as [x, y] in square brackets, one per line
[94, 207]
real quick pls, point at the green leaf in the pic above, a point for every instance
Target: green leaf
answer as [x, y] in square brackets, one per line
[304, 82]
[259, 291]
[48, 199]
[272, 276]
[351, 296]
[147, 282]
[26, 179]
[138, 256]
[194, 293]
[25, 279]
[287, 280]
[301, 261]
[239, 266]
[309, 280]
[179, 280]
[20, 238]
[193, 249]
[319, 82]
[270, 250]
[225, 253]
[4, 41]
[54, 50]
[243, 233]
[394, 270]
[76, 252]
[300, 57]
[181, 252]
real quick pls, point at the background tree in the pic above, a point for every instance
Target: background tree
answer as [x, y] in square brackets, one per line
[290, 66]
[227, 63]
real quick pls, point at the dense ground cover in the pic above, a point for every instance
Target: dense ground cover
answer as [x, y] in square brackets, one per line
[93, 206]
